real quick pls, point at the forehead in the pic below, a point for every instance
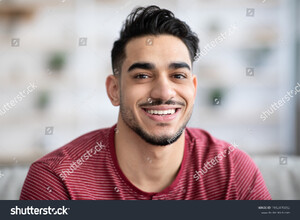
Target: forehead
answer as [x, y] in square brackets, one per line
[160, 50]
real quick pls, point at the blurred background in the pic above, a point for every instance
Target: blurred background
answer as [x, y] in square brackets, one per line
[249, 60]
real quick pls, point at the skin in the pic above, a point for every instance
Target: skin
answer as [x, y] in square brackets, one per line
[152, 167]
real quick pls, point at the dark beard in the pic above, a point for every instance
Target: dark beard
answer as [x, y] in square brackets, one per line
[153, 140]
[131, 122]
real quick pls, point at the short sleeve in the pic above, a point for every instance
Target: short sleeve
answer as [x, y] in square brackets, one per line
[42, 183]
[249, 181]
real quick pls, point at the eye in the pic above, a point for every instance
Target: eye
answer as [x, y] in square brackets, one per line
[141, 76]
[179, 76]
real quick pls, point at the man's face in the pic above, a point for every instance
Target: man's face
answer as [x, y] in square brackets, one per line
[157, 88]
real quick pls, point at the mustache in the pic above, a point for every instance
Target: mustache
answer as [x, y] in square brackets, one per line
[161, 102]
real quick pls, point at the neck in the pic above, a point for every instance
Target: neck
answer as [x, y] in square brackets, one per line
[148, 167]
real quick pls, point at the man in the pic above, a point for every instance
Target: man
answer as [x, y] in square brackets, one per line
[149, 154]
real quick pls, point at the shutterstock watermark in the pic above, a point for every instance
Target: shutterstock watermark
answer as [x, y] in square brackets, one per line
[214, 161]
[18, 98]
[280, 102]
[212, 44]
[30, 210]
[75, 165]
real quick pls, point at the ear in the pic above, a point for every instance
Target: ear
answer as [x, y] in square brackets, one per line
[113, 89]
[195, 85]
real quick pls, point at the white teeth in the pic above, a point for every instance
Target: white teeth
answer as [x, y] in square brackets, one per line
[161, 112]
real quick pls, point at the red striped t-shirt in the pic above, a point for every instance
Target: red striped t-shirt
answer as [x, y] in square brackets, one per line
[87, 169]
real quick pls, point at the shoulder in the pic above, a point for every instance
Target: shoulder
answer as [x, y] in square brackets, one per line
[208, 148]
[204, 141]
[75, 149]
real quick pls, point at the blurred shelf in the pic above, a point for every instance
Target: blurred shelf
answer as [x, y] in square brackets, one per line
[9, 11]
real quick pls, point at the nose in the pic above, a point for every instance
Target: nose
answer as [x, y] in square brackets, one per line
[162, 89]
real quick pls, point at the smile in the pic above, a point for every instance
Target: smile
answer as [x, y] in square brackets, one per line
[162, 112]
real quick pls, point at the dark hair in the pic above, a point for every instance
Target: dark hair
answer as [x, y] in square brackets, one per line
[152, 21]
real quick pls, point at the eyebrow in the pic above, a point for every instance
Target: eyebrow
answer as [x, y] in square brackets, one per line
[179, 65]
[146, 66]
[151, 66]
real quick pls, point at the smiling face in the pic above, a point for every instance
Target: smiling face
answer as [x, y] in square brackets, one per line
[156, 88]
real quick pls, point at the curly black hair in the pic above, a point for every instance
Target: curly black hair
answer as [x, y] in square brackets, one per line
[152, 20]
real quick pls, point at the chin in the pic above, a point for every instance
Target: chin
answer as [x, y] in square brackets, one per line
[157, 138]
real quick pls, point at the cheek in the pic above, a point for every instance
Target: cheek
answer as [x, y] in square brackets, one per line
[187, 93]
[133, 94]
